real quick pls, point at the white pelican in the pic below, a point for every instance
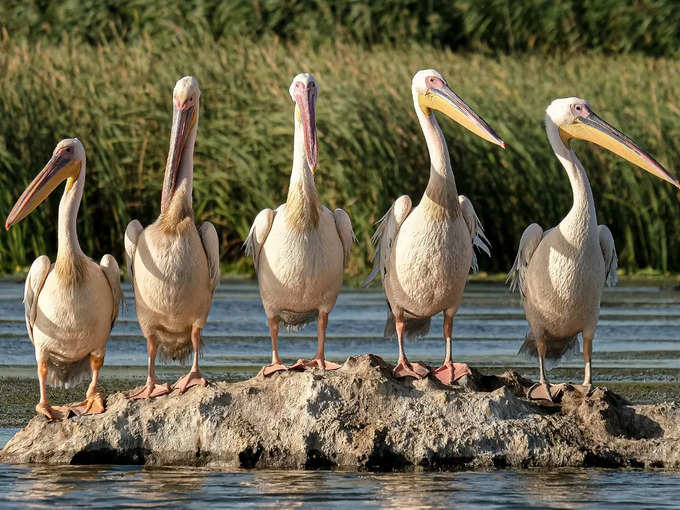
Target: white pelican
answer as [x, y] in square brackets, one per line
[424, 254]
[70, 306]
[174, 267]
[300, 250]
[561, 272]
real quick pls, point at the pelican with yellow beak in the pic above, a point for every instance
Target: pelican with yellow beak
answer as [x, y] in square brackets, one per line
[173, 265]
[71, 305]
[300, 250]
[424, 254]
[561, 272]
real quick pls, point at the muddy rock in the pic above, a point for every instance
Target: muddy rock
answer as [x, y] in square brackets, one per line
[360, 417]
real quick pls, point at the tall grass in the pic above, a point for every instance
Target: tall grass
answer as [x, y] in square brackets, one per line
[649, 26]
[117, 100]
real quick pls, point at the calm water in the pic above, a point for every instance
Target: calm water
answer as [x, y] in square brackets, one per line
[131, 487]
[639, 328]
[639, 333]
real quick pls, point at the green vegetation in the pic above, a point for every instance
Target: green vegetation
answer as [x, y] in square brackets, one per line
[109, 82]
[649, 26]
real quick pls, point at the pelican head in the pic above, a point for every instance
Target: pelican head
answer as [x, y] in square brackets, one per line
[303, 90]
[575, 119]
[433, 93]
[66, 163]
[184, 116]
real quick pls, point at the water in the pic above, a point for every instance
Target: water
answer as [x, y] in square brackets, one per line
[134, 487]
[638, 339]
[639, 328]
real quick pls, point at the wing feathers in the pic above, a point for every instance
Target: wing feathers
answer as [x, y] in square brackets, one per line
[132, 232]
[611, 261]
[479, 240]
[386, 233]
[530, 240]
[111, 271]
[258, 235]
[34, 283]
[211, 245]
[344, 226]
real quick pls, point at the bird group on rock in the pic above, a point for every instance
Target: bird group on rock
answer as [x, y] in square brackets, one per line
[423, 254]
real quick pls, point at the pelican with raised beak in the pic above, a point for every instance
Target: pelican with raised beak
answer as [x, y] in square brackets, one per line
[424, 254]
[300, 250]
[71, 305]
[173, 265]
[560, 272]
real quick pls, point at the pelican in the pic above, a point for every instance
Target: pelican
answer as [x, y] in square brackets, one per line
[174, 267]
[561, 272]
[71, 305]
[300, 250]
[424, 254]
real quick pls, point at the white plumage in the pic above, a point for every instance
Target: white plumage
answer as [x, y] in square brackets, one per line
[173, 265]
[71, 305]
[300, 250]
[561, 272]
[424, 253]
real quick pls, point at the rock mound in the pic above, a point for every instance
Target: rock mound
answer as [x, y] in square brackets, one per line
[360, 417]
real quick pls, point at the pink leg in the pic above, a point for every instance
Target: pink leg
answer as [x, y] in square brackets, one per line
[319, 359]
[543, 390]
[194, 377]
[404, 368]
[450, 372]
[276, 365]
[152, 389]
[44, 407]
[93, 403]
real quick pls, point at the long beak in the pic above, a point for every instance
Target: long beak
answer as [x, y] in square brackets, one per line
[183, 121]
[306, 103]
[593, 129]
[447, 101]
[57, 169]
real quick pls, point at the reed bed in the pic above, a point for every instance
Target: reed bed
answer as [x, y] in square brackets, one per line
[566, 26]
[117, 99]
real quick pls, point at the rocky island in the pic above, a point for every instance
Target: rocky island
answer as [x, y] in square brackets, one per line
[360, 417]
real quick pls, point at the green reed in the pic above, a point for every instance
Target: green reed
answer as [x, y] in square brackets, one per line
[117, 99]
[649, 26]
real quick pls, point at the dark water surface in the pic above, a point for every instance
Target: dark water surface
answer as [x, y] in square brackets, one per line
[638, 341]
[135, 487]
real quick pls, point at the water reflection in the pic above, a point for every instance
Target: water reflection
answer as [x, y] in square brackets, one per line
[138, 487]
[558, 489]
[47, 483]
[419, 490]
[161, 484]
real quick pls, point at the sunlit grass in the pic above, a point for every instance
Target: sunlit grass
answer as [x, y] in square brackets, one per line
[117, 100]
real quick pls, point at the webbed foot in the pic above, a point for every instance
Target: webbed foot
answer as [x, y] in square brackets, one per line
[545, 391]
[272, 369]
[151, 390]
[584, 389]
[94, 404]
[189, 380]
[52, 413]
[305, 364]
[450, 372]
[405, 368]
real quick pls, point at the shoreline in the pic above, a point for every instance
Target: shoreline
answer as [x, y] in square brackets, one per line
[360, 417]
[19, 391]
